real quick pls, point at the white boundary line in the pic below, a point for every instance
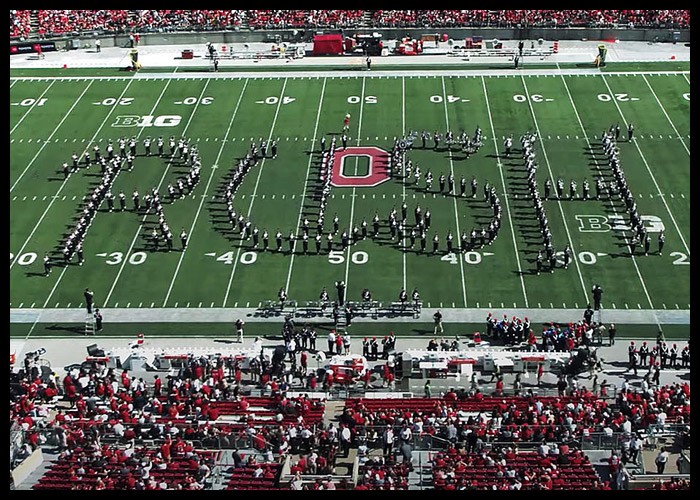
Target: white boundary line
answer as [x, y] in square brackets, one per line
[403, 175]
[418, 71]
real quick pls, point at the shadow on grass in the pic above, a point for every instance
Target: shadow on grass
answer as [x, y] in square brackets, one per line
[62, 328]
[421, 331]
[226, 341]
[30, 274]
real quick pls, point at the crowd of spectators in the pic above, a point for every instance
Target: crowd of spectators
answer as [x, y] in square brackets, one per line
[20, 23]
[583, 18]
[59, 22]
[553, 466]
[176, 465]
[472, 417]
[94, 404]
[307, 19]
[101, 405]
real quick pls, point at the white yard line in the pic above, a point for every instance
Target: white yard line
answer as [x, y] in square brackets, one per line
[505, 192]
[666, 115]
[160, 183]
[585, 136]
[255, 190]
[306, 181]
[206, 190]
[658, 189]
[454, 198]
[403, 174]
[352, 202]
[32, 107]
[551, 175]
[48, 139]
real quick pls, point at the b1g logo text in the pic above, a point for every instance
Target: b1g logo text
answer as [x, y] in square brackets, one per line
[147, 121]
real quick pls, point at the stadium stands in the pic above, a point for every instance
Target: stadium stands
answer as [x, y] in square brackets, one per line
[51, 23]
[117, 431]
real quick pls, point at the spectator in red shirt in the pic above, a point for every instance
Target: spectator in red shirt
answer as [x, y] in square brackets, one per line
[499, 387]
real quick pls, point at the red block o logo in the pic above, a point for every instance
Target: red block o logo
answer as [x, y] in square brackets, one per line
[377, 167]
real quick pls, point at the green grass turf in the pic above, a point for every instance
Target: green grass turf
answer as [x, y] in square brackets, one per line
[223, 116]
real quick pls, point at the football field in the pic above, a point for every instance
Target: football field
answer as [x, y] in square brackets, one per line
[53, 118]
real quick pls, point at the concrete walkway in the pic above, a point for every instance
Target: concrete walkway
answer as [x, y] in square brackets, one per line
[449, 315]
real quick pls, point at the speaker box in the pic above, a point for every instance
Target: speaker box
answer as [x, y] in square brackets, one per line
[93, 350]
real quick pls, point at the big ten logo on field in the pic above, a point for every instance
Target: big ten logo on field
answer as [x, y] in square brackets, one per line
[603, 223]
[345, 167]
[147, 121]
